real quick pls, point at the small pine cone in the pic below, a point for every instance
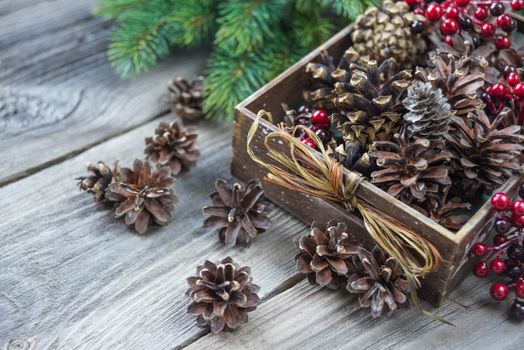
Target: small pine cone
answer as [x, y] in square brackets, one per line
[323, 254]
[378, 281]
[186, 98]
[173, 145]
[429, 112]
[98, 179]
[222, 294]
[143, 196]
[239, 213]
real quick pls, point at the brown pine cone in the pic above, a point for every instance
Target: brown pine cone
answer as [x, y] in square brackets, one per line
[410, 170]
[323, 254]
[186, 98]
[98, 177]
[222, 294]
[143, 196]
[239, 213]
[487, 156]
[378, 281]
[173, 145]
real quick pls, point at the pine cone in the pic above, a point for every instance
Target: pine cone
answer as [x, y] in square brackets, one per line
[452, 215]
[487, 156]
[410, 170]
[222, 294]
[173, 146]
[457, 83]
[143, 195]
[239, 213]
[429, 112]
[98, 179]
[323, 254]
[293, 118]
[378, 281]
[186, 98]
[383, 33]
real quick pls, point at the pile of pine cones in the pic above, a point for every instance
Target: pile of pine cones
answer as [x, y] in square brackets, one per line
[433, 125]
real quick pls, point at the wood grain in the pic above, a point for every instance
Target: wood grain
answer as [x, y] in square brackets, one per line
[72, 277]
[306, 317]
[58, 93]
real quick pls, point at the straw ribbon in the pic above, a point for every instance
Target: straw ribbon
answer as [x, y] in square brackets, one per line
[319, 175]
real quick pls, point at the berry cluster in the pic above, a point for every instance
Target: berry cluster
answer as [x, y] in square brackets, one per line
[506, 255]
[496, 96]
[485, 17]
[317, 121]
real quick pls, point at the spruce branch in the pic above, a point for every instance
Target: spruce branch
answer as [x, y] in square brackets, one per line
[112, 9]
[245, 25]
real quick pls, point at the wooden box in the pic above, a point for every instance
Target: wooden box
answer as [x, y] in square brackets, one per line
[288, 87]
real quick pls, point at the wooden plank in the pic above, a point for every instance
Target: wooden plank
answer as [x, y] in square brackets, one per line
[72, 277]
[59, 93]
[306, 317]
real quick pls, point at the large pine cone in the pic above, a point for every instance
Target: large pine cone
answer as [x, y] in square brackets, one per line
[378, 281]
[143, 196]
[429, 113]
[486, 156]
[382, 33]
[410, 171]
[173, 145]
[186, 98]
[98, 178]
[323, 254]
[239, 213]
[222, 294]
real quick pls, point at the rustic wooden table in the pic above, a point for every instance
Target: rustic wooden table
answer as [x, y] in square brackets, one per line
[72, 277]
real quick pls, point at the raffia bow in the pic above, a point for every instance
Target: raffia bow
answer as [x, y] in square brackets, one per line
[322, 176]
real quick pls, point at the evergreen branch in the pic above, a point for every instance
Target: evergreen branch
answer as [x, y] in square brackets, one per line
[245, 25]
[347, 8]
[311, 28]
[112, 9]
[141, 38]
[198, 19]
[230, 79]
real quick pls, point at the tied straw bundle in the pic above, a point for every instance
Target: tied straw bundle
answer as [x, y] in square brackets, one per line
[323, 177]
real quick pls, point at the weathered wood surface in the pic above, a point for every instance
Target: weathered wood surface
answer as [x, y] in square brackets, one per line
[71, 277]
[58, 93]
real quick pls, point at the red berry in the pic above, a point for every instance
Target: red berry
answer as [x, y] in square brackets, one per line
[462, 3]
[497, 265]
[449, 40]
[500, 239]
[452, 12]
[479, 249]
[518, 90]
[504, 21]
[434, 12]
[481, 13]
[513, 78]
[517, 4]
[518, 221]
[449, 26]
[499, 291]
[309, 142]
[502, 42]
[517, 208]
[519, 290]
[411, 2]
[500, 201]
[481, 269]
[487, 29]
[419, 11]
[320, 119]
